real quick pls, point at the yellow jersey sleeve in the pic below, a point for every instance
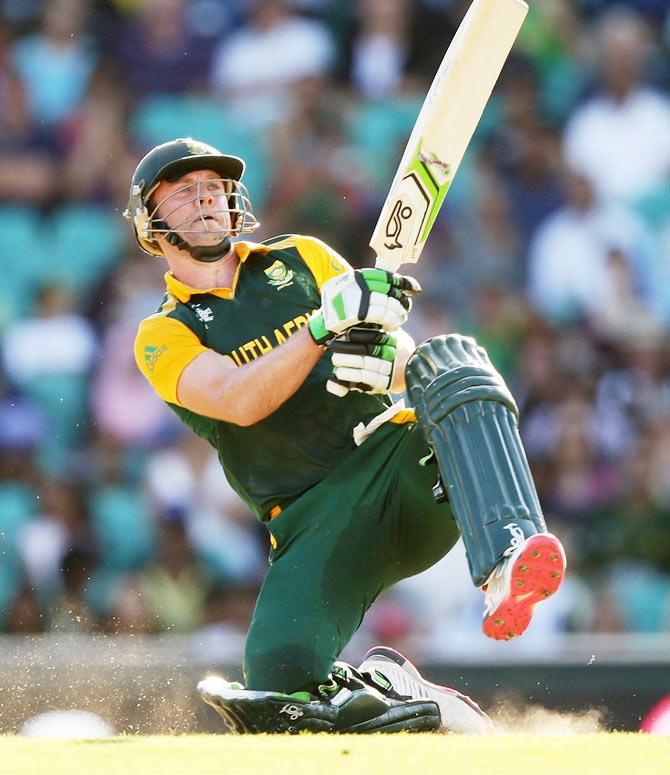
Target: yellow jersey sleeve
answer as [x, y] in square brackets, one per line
[163, 348]
[323, 262]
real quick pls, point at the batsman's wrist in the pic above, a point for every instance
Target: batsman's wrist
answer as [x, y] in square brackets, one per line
[317, 328]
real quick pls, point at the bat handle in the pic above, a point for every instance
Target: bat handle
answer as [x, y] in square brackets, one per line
[384, 262]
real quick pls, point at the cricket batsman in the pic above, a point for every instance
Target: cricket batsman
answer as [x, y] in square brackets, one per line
[283, 358]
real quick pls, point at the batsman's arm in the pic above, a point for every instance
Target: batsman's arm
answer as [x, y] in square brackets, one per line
[214, 386]
[186, 373]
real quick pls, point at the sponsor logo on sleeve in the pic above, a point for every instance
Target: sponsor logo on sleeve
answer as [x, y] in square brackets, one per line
[151, 356]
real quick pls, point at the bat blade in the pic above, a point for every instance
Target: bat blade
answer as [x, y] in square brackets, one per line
[445, 125]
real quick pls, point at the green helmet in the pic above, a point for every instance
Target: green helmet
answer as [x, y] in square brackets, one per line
[170, 161]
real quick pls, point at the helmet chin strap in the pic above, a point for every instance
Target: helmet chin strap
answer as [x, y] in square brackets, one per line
[206, 254]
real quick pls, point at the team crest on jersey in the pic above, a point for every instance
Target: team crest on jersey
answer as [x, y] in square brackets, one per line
[279, 275]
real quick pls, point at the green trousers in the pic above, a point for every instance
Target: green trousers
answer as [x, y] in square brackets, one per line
[370, 523]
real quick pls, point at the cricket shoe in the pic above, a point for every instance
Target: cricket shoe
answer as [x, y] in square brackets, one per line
[248, 711]
[458, 713]
[531, 574]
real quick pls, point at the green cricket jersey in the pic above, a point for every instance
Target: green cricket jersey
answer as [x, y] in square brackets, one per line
[275, 289]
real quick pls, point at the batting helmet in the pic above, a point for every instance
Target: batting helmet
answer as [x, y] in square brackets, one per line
[170, 161]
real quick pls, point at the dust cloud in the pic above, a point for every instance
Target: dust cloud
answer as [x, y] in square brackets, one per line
[513, 719]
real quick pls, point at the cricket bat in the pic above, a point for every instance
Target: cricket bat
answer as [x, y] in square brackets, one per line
[448, 118]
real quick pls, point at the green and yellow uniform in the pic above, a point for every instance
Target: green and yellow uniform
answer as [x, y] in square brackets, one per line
[345, 521]
[275, 289]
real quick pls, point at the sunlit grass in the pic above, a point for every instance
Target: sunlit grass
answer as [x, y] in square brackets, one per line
[628, 754]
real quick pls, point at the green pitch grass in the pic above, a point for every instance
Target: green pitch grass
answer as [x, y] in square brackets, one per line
[597, 754]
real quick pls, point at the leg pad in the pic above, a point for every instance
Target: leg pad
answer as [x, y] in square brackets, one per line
[470, 419]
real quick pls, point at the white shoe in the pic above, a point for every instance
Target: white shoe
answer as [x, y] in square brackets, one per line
[531, 574]
[459, 714]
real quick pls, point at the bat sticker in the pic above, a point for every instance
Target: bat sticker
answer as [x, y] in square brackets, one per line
[432, 159]
[394, 224]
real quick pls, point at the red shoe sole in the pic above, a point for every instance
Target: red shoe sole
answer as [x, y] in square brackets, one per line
[537, 573]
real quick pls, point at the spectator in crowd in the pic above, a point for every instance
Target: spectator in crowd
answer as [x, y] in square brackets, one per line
[381, 48]
[128, 612]
[121, 405]
[96, 148]
[582, 480]
[532, 178]
[27, 167]
[654, 9]
[256, 66]
[316, 173]
[186, 482]
[48, 357]
[50, 534]
[174, 587]
[578, 254]
[56, 340]
[636, 386]
[158, 51]
[484, 250]
[620, 139]
[56, 64]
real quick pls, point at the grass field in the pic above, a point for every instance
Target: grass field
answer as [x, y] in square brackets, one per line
[324, 754]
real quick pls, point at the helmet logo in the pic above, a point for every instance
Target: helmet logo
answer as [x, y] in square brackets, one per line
[196, 148]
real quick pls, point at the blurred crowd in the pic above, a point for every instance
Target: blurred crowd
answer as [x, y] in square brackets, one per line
[553, 250]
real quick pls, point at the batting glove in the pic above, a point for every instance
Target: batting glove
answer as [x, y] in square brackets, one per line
[368, 360]
[362, 296]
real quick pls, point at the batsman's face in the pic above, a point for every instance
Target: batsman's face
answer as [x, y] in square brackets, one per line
[196, 206]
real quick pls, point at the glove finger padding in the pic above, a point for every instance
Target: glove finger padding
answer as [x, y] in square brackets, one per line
[363, 360]
[365, 363]
[339, 388]
[375, 352]
[408, 285]
[365, 341]
[381, 277]
[358, 380]
[371, 296]
[385, 311]
[374, 374]
[363, 335]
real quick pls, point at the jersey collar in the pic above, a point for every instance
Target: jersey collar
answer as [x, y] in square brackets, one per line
[183, 291]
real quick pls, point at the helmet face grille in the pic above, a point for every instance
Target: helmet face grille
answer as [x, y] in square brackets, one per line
[222, 207]
[169, 162]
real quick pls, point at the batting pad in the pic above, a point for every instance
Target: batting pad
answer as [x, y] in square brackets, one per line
[470, 420]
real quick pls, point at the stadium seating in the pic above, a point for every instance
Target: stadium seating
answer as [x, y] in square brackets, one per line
[21, 258]
[162, 118]
[122, 526]
[87, 240]
[17, 506]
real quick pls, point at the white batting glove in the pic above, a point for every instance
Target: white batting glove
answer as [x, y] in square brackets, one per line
[368, 360]
[372, 296]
